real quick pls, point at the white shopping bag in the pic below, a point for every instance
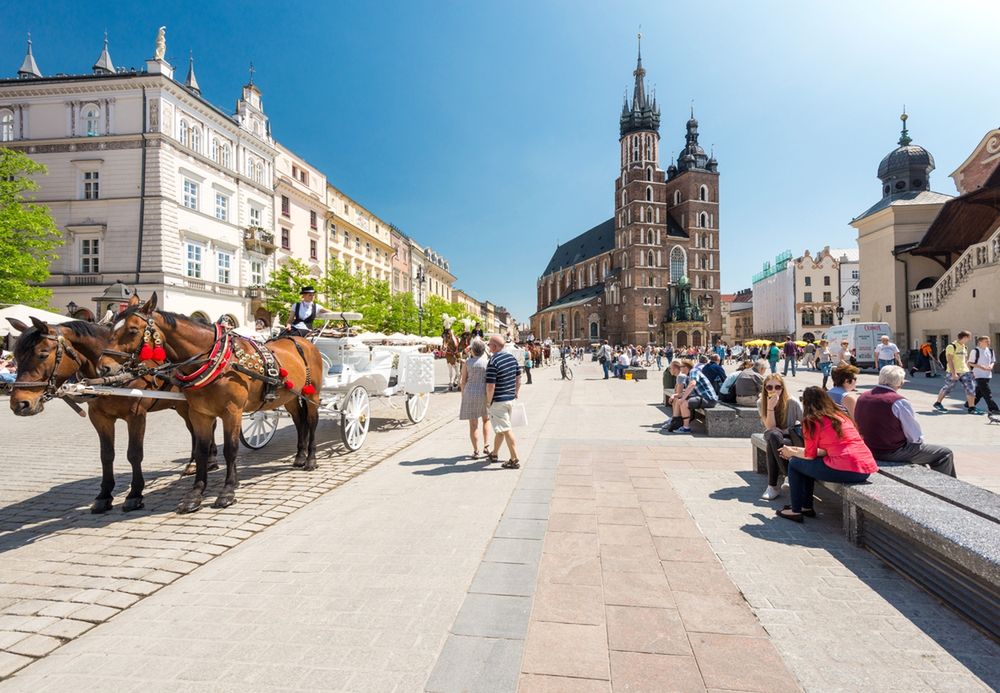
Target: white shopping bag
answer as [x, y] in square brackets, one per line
[518, 415]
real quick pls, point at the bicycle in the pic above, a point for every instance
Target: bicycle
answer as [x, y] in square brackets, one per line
[564, 369]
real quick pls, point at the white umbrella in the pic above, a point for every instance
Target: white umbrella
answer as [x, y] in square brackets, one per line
[24, 314]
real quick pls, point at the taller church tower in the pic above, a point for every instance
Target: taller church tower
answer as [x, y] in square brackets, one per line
[637, 296]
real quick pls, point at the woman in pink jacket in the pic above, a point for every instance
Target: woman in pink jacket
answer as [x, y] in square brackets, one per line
[834, 451]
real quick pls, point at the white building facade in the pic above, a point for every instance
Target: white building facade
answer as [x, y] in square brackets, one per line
[774, 299]
[150, 184]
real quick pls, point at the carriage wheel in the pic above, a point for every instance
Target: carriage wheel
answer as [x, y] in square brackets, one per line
[417, 406]
[258, 428]
[354, 418]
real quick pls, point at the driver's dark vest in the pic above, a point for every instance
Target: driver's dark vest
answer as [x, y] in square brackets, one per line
[310, 317]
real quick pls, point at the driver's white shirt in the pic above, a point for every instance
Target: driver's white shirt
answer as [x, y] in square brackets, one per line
[303, 311]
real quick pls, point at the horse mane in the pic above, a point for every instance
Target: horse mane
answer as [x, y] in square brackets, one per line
[84, 328]
[170, 318]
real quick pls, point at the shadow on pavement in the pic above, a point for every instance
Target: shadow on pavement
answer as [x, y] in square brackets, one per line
[979, 655]
[450, 465]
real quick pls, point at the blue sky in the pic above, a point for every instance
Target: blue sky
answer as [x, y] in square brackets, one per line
[488, 130]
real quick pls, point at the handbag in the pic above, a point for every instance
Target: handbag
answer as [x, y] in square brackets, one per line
[518, 415]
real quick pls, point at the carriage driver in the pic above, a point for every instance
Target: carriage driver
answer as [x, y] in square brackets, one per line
[303, 313]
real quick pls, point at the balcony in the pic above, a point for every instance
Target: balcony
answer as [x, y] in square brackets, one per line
[256, 292]
[258, 240]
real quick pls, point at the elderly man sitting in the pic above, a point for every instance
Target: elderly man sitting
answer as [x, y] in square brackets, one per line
[749, 384]
[890, 428]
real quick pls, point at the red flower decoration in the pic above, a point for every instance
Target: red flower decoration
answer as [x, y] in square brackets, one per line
[309, 389]
[282, 373]
[146, 353]
[159, 353]
[289, 385]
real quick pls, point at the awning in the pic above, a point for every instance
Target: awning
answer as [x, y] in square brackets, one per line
[24, 314]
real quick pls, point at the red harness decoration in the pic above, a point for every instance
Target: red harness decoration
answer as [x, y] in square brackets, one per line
[218, 361]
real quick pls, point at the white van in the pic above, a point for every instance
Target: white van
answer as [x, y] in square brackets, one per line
[861, 338]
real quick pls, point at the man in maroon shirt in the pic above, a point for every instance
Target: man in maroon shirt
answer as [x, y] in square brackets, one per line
[791, 353]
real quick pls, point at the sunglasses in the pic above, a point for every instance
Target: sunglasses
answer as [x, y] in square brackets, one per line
[772, 387]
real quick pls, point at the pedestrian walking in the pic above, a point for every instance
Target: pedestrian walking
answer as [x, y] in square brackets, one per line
[982, 360]
[528, 365]
[958, 372]
[473, 386]
[887, 353]
[791, 354]
[810, 356]
[824, 359]
[604, 357]
[503, 383]
[773, 354]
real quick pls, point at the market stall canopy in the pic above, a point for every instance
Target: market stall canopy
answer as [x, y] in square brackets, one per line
[24, 314]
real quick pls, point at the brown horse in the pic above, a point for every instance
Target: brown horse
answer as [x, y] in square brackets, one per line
[47, 356]
[222, 375]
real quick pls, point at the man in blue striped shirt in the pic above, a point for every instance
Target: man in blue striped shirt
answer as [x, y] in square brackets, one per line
[503, 381]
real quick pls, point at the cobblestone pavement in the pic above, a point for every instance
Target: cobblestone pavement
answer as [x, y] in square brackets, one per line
[63, 570]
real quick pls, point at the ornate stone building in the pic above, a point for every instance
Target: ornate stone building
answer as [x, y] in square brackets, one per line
[651, 272]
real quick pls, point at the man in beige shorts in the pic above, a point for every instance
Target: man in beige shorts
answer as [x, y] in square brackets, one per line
[503, 382]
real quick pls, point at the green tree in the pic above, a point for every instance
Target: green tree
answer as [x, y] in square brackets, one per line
[343, 290]
[28, 235]
[403, 314]
[284, 286]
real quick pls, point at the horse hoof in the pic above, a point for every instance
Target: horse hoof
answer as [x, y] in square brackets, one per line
[310, 465]
[189, 505]
[225, 499]
[299, 463]
[101, 505]
[212, 466]
[190, 469]
[133, 504]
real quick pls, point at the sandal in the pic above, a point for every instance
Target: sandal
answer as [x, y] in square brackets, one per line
[806, 512]
[789, 515]
[474, 455]
[492, 458]
[511, 464]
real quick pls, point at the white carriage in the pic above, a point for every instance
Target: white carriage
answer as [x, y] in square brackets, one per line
[358, 367]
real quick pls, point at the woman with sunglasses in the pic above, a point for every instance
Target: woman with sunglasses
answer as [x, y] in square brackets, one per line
[780, 414]
[843, 394]
[833, 451]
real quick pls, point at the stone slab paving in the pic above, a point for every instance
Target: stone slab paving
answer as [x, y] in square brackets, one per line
[63, 570]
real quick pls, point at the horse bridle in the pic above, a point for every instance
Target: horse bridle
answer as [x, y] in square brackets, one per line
[63, 348]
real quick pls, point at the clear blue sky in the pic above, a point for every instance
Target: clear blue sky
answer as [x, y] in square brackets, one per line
[469, 122]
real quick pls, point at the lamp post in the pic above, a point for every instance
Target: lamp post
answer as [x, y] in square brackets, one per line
[71, 308]
[840, 314]
[421, 280]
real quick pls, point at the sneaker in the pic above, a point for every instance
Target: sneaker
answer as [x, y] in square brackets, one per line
[973, 410]
[938, 406]
[682, 429]
[771, 493]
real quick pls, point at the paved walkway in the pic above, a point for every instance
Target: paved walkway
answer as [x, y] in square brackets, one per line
[617, 559]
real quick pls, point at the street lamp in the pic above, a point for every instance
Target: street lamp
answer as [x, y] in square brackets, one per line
[840, 314]
[421, 280]
[72, 308]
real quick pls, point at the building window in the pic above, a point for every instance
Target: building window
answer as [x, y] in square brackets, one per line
[652, 320]
[677, 264]
[312, 249]
[196, 139]
[6, 126]
[225, 261]
[190, 194]
[827, 297]
[313, 219]
[286, 239]
[256, 272]
[677, 197]
[183, 135]
[193, 265]
[649, 194]
[226, 157]
[826, 280]
[807, 297]
[855, 274]
[255, 217]
[809, 281]
[90, 252]
[703, 193]
[651, 259]
[855, 306]
[215, 149]
[221, 207]
[286, 206]
[808, 317]
[703, 220]
[91, 185]
[91, 120]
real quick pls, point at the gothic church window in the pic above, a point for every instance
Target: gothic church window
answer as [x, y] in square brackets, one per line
[703, 220]
[677, 197]
[649, 173]
[678, 264]
[649, 214]
[703, 193]
[649, 194]
[651, 259]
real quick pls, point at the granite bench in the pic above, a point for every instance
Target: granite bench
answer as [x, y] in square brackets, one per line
[637, 373]
[939, 531]
[726, 421]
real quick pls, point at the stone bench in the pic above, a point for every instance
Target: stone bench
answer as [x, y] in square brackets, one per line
[637, 373]
[939, 531]
[726, 421]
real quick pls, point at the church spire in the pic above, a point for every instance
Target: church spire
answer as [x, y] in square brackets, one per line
[29, 68]
[642, 113]
[904, 137]
[104, 65]
[192, 82]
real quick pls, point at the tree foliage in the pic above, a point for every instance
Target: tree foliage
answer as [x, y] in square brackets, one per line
[284, 286]
[28, 235]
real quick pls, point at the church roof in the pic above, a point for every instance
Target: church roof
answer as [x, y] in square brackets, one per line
[575, 298]
[593, 242]
[963, 221]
